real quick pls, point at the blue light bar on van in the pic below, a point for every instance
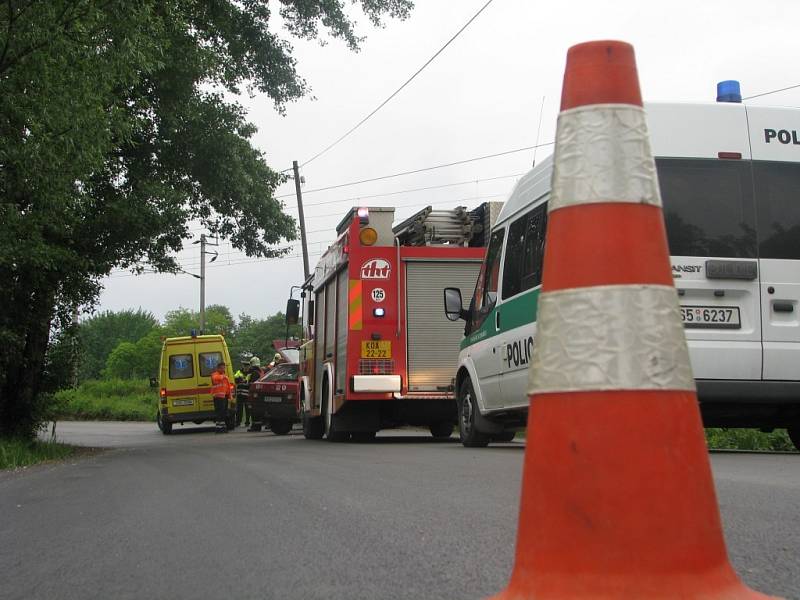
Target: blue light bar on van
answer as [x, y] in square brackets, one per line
[729, 91]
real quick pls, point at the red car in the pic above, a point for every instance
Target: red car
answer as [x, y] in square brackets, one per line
[274, 400]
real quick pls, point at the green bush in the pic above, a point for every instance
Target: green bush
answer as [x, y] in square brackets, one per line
[109, 400]
[16, 453]
[748, 439]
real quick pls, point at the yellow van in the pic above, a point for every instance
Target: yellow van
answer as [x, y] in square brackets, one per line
[185, 380]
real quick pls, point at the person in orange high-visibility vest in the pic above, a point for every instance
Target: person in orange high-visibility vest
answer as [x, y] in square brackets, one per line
[221, 390]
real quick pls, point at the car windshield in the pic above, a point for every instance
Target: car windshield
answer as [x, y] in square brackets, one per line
[286, 372]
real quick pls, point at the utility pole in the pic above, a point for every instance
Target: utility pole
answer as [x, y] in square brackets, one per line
[203, 244]
[202, 282]
[301, 218]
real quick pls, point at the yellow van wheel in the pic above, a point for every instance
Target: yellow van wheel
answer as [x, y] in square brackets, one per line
[165, 427]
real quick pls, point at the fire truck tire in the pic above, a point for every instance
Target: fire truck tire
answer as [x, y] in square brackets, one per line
[280, 426]
[313, 428]
[332, 433]
[363, 437]
[794, 435]
[467, 409]
[441, 429]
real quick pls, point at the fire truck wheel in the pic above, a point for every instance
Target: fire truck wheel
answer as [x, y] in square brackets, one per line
[280, 426]
[332, 432]
[441, 429]
[363, 437]
[467, 409]
[312, 427]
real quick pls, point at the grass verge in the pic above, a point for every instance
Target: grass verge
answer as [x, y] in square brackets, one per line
[15, 453]
[109, 400]
[748, 439]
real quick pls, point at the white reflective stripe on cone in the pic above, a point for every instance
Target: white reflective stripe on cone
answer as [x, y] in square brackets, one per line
[603, 154]
[622, 337]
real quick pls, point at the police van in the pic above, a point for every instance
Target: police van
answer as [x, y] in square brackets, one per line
[730, 183]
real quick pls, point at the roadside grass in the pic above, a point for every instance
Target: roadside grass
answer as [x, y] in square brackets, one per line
[748, 439]
[15, 453]
[109, 400]
[740, 439]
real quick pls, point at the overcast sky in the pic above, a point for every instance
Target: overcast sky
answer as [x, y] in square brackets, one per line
[481, 96]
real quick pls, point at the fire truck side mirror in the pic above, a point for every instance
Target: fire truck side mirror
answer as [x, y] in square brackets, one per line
[292, 312]
[453, 307]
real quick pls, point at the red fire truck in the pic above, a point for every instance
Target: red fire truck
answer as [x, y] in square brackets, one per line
[379, 351]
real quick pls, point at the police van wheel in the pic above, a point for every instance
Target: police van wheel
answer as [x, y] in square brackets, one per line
[794, 435]
[467, 410]
[441, 429]
[363, 437]
[506, 436]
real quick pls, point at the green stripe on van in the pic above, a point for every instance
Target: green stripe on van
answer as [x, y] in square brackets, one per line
[514, 313]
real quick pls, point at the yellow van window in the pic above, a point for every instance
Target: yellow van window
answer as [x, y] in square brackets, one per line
[180, 366]
[209, 362]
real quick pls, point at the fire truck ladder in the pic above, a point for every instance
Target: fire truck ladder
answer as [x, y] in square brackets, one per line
[431, 227]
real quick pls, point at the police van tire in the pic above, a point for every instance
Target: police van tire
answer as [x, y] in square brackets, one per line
[506, 436]
[280, 426]
[467, 409]
[441, 430]
[794, 435]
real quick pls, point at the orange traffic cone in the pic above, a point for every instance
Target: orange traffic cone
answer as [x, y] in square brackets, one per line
[617, 494]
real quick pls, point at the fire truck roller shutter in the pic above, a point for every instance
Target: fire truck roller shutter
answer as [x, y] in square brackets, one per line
[341, 334]
[433, 340]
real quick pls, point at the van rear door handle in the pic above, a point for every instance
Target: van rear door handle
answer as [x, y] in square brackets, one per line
[783, 307]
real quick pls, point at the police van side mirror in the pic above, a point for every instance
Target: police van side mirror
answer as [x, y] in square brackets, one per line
[292, 312]
[453, 307]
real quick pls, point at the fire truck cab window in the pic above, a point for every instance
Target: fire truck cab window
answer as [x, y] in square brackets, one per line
[486, 289]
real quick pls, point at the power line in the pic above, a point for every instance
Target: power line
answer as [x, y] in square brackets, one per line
[422, 170]
[423, 204]
[398, 90]
[791, 87]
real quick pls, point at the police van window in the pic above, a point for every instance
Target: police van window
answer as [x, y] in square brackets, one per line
[486, 289]
[777, 186]
[522, 269]
[208, 362]
[708, 207]
[180, 366]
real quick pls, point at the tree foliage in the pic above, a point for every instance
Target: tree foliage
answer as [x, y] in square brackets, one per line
[117, 128]
[100, 334]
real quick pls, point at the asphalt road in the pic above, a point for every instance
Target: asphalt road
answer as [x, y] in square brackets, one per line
[251, 515]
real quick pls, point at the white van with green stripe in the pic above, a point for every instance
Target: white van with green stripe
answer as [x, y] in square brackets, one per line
[729, 176]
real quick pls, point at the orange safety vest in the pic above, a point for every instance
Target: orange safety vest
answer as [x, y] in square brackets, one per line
[220, 386]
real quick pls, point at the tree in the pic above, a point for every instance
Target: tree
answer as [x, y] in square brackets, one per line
[182, 321]
[129, 360]
[117, 129]
[100, 334]
[256, 336]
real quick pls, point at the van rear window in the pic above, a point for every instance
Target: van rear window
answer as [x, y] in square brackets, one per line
[708, 207]
[181, 366]
[777, 186]
[209, 362]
